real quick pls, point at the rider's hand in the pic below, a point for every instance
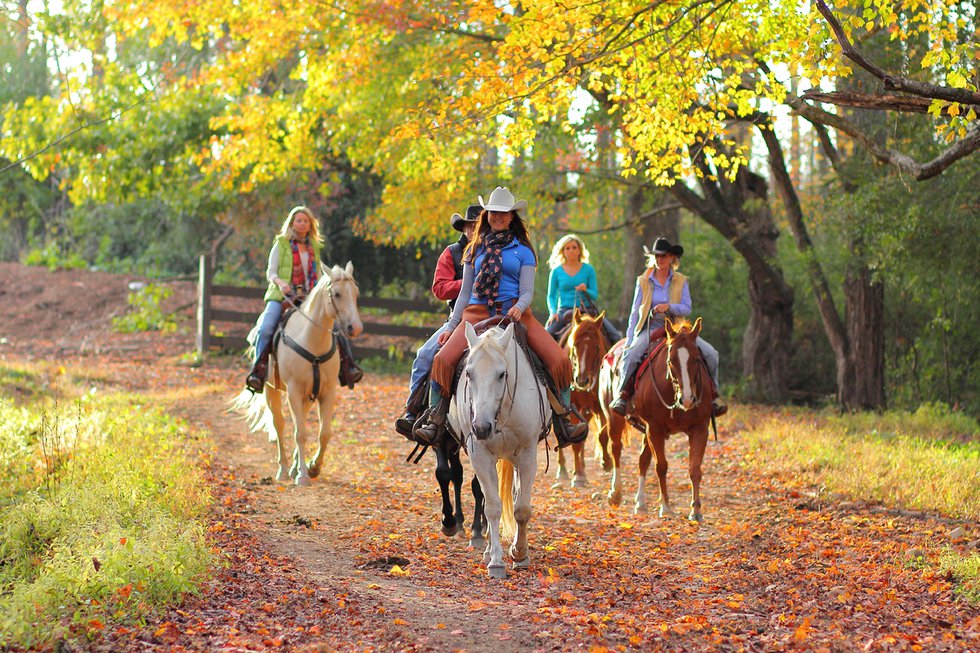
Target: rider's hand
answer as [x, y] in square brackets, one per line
[444, 336]
[581, 287]
[515, 314]
[284, 287]
[662, 308]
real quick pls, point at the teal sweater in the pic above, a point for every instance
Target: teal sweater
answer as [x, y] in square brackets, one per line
[561, 288]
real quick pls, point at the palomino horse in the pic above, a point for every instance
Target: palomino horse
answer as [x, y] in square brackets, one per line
[499, 412]
[673, 395]
[304, 376]
[586, 344]
[449, 471]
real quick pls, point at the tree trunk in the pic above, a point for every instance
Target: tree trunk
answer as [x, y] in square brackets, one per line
[861, 375]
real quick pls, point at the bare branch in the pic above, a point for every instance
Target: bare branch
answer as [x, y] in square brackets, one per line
[876, 101]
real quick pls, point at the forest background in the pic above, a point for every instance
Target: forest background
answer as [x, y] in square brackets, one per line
[818, 164]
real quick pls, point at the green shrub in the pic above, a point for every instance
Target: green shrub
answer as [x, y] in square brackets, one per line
[146, 311]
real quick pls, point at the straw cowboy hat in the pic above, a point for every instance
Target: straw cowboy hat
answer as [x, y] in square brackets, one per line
[472, 214]
[502, 199]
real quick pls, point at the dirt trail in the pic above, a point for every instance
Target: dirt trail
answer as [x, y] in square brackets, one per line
[773, 567]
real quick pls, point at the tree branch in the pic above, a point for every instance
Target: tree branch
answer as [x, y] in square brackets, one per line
[893, 82]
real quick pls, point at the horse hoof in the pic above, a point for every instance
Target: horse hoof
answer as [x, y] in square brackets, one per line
[478, 542]
[640, 509]
[303, 481]
[283, 475]
[497, 571]
[450, 531]
[522, 564]
[666, 512]
[314, 471]
[695, 517]
[580, 481]
[614, 500]
[562, 474]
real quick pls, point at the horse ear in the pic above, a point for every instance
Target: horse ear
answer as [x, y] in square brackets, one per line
[577, 315]
[350, 268]
[600, 316]
[669, 327]
[507, 336]
[697, 327]
[471, 337]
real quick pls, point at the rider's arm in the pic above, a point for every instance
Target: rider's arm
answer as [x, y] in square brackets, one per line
[591, 285]
[272, 270]
[445, 285]
[684, 308]
[465, 290]
[525, 287]
[553, 292]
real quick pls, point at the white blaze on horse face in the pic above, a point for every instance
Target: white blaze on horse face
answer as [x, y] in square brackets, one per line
[687, 396]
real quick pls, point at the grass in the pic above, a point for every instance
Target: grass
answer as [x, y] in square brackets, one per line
[928, 460]
[102, 505]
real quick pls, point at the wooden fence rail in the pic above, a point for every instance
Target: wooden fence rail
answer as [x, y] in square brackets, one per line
[401, 337]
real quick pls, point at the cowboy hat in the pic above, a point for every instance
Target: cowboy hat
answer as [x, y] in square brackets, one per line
[502, 199]
[472, 214]
[663, 246]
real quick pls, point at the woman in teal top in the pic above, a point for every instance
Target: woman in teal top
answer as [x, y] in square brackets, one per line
[572, 283]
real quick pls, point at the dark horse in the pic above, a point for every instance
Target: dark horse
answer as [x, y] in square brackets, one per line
[673, 395]
[449, 469]
[586, 344]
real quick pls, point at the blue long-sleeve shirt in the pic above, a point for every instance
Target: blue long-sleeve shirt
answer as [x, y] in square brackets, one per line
[561, 287]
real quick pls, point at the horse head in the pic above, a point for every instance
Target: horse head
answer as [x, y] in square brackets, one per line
[683, 362]
[486, 375]
[343, 299]
[586, 344]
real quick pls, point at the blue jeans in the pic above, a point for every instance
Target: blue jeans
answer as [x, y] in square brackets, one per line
[268, 322]
[423, 360]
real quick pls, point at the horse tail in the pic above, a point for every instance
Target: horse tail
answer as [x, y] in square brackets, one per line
[254, 411]
[505, 481]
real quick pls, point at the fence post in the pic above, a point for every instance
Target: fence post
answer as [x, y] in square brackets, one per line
[204, 306]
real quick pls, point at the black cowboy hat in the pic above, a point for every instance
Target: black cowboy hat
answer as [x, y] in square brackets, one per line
[663, 246]
[472, 213]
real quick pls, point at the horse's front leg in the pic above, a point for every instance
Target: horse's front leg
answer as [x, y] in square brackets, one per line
[327, 404]
[486, 470]
[698, 441]
[579, 479]
[616, 427]
[444, 476]
[456, 478]
[479, 525]
[273, 402]
[562, 474]
[527, 465]
[299, 406]
[658, 440]
[646, 455]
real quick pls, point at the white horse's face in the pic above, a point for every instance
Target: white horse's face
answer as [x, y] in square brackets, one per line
[343, 299]
[486, 376]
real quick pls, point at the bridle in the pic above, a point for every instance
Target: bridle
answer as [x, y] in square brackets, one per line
[675, 382]
[594, 341]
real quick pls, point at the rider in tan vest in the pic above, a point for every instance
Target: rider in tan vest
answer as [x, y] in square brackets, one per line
[660, 291]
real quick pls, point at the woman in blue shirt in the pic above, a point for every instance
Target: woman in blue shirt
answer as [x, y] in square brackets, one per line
[572, 283]
[498, 278]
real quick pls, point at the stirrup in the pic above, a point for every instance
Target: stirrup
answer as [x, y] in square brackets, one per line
[620, 405]
[567, 433]
[430, 427]
[254, 383]
[405, 425]
[718, 407]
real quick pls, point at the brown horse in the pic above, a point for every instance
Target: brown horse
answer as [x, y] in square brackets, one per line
[673, 395]
[585, 343]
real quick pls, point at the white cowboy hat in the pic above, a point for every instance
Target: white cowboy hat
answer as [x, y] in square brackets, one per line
[502, 199]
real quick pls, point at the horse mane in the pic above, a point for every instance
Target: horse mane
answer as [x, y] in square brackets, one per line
[334, 274]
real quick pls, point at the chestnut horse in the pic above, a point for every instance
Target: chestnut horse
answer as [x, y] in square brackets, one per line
[673, 395]
[586, 344]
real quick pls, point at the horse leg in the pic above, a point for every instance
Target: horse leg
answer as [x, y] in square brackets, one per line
[479, 525]
[299, 407]
[698, 441]
[273, 402]
[526, 468]
[658, 440]
[562, 474]
[602, 443]
[646, 454]
[443, 475]
[325, 411]
[456, 477]
[616, 427]
[486, 470]
[579, 479]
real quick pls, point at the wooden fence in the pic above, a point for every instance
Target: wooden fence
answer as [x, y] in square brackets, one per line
[383, 336]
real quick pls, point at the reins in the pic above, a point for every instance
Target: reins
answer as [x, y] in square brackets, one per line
[675, 384]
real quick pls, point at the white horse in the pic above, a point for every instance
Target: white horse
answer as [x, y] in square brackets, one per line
[499, 411]
[304, 365]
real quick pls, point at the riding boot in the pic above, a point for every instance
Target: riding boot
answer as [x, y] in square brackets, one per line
[565, 432]
[413, 408]
[350, 373]
[433, 422]
[718, 405]
[621, 402]
[255, 380]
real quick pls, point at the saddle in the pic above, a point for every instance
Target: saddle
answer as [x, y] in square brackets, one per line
[349, 372]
